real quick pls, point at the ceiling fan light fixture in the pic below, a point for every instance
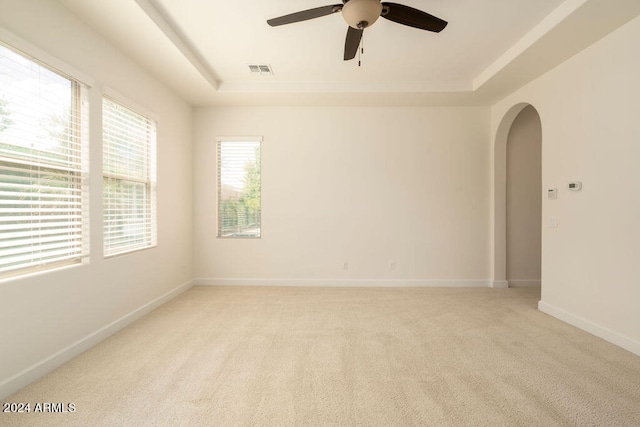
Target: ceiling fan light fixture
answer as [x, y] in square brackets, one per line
[360, 14]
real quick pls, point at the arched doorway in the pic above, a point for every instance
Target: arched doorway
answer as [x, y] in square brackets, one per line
[524, 200]
[499, 208]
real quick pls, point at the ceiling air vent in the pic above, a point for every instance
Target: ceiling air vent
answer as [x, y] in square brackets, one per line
[260, 69]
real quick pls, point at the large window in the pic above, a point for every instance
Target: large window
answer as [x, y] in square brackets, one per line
[239, 187]
[43, 166]
[129, 179]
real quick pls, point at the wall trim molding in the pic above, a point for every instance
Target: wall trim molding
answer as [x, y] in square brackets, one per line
[499, 284]
[380, 283]
[524, 283]
[48, 364]
[593, 328]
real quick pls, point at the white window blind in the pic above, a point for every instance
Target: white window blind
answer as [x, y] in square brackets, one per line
[129, 179]
[239, 188]
[44, 198]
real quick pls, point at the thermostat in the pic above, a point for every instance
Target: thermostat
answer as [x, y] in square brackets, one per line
[575, 186]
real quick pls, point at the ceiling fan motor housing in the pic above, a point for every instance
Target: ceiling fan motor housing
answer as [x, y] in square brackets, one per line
[360, 14]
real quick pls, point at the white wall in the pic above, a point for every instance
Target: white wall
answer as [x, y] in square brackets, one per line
[524, 199]
[363, 185]
[45, 314]
[591, 132]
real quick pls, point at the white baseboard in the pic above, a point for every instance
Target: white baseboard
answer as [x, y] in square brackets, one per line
[499, 284]
[524, 283]
[378, 283]
[37, 370]
[593, 328]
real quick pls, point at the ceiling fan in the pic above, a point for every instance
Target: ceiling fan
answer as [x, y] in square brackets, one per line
[360, 14]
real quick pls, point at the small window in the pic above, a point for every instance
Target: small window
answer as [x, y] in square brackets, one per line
[44, 198]
[239, 188]
[129, 179]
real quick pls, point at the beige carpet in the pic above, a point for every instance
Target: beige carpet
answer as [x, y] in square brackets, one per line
[361, 356]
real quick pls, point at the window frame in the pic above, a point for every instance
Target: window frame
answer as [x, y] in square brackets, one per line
[149, 182]
[236, 139]
[33, 167]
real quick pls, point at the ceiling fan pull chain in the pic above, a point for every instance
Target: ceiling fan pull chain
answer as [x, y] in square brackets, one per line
[361, 51]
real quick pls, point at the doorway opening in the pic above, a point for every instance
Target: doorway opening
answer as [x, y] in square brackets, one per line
[524, 200]
[517, 201]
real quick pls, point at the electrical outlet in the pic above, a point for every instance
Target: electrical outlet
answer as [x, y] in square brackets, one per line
[392, 265]
[345, 265]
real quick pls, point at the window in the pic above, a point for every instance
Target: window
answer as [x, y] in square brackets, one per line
[44, 198]
[129, 179]
[239, 188]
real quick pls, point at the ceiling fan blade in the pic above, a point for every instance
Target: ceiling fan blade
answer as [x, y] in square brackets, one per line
[406, 15]
[352, 42]
[305, 15]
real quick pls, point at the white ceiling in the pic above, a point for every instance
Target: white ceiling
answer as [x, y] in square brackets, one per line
[202, 48]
